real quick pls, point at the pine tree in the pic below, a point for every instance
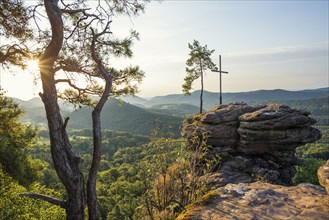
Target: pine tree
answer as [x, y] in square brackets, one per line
[198, 62]
[81, 44]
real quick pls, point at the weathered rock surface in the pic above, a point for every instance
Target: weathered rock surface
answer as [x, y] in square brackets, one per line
[261, 200]
[253, 142]
[323, 175]
[275, 127]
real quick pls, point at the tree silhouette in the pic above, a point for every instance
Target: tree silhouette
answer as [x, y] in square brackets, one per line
[81, 44]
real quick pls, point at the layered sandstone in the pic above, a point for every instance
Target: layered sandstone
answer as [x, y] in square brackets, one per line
[252, 142]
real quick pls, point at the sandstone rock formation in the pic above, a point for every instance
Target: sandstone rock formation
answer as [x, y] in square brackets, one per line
[323, 175]
[253, 142]
[261, 200]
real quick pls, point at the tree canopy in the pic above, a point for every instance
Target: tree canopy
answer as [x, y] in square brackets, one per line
[14, 33]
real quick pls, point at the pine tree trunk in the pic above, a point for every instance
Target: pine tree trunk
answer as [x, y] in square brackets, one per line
[201, 93]
[66, 163]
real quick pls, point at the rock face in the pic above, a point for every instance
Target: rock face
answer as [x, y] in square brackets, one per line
[253, 142]
[261, 200]
[323, 175]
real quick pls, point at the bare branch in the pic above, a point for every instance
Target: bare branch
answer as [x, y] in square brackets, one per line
[66, 121]
[35, 14]
[49, 199]
[74, 86]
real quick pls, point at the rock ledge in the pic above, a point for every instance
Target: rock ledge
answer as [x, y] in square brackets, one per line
[261, 200]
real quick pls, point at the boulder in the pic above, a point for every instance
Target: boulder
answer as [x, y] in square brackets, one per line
[275, 128]
[323, 175]
[260, 200]
[222, 123]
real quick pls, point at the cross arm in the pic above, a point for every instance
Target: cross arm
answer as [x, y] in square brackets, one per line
[217, 71]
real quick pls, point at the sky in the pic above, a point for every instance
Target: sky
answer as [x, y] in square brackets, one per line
[263, 44]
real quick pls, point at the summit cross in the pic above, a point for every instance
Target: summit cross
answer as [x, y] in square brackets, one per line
[220, 78]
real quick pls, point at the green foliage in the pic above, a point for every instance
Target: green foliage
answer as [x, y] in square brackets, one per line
[14, 20]
[307, 172]
[14, 206]
[124, 187]
[312, 156]
[15, 139]
[81, 141]
[198, 62]
[180, 110]
[200, 162]
[314, 150]
[178, 183]
[122, 81]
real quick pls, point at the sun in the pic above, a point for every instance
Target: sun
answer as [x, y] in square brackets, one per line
[32, 65]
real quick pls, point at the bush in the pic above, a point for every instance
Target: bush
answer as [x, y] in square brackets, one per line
[307, 172]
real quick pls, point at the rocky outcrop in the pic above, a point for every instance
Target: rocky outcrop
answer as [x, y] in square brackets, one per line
[323, 175]
[260, 200]
[275, 128]
[253, 142]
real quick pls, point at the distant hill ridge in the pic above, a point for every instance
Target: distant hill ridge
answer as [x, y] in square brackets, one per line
[211, 99]
[142, 115]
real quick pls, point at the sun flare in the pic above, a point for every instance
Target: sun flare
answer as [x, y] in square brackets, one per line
[32, 65]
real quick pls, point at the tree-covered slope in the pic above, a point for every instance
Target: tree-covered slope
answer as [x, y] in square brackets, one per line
[34, 110]
[175, 109]
[121, 116]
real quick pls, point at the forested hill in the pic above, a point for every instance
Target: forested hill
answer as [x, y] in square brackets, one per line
[121, 116]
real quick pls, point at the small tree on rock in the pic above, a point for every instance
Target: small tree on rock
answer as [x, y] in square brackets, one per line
[198, 62]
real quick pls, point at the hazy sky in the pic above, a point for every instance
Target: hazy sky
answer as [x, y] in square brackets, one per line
[264, 45]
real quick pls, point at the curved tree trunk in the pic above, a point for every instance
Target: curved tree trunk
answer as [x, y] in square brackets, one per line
[66, 163]
[97, 139]
[97, 135]
[91, 183]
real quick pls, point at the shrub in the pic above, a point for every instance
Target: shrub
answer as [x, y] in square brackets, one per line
[307, 172]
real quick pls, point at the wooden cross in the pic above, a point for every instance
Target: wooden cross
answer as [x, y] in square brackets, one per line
[220, 78]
